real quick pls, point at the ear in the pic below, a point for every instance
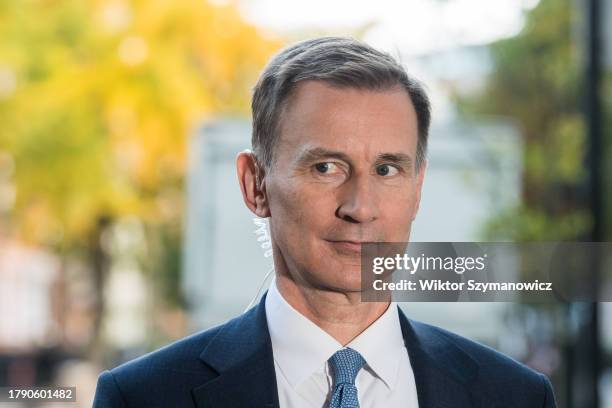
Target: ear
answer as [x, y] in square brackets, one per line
[252, 183]
[419, 185]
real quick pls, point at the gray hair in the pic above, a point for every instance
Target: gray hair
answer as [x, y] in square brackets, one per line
[342, 62]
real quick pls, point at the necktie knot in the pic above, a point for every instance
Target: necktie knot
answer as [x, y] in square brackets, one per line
[345, 365]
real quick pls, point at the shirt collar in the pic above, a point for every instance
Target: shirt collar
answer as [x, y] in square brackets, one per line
[300, 347]
[380, 345]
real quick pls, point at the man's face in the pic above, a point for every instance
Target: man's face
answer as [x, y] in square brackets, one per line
[344, 173]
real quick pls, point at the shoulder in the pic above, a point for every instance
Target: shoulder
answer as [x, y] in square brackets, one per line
[495, 374]
[168, 373]
[182, 354]
[487, 358]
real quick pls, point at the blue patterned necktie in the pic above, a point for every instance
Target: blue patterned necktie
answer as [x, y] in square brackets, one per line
[345, 364]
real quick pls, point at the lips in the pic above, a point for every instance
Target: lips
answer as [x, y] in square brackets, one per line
[347, 246]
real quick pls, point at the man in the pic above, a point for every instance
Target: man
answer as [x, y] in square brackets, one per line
[339, 140]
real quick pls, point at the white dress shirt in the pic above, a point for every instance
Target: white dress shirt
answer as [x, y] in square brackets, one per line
[301, 350]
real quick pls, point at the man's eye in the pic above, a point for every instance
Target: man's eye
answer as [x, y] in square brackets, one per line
[386, 170]
[326, 167]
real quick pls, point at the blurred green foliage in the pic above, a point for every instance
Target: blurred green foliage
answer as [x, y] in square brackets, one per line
[537, 80]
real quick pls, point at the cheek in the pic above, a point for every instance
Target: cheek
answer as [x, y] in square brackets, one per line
[398, 209]
[284, 205]
[296, 211]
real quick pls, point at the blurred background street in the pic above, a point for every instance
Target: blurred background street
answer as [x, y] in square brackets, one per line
[122, 227]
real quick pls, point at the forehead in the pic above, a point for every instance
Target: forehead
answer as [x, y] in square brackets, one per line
[349, 119]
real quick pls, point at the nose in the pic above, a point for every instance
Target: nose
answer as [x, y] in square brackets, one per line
[358, 201]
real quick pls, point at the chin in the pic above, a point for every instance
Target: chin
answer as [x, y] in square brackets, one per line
[344, 279]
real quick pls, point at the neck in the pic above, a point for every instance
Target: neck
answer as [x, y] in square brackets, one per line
[341, 314]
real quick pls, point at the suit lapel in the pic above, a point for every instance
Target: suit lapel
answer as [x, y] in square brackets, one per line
[444, 374]
[242, 355]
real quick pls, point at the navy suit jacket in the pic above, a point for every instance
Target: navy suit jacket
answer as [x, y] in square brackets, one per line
[231, 366]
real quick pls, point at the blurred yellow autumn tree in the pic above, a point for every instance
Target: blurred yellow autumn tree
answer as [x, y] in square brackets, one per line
[97, 99]
[104, 95]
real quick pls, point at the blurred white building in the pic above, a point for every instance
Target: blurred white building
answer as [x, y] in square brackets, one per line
[27, 280]
[223, 263]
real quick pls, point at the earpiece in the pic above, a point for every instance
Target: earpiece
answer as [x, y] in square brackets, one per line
[266, 244]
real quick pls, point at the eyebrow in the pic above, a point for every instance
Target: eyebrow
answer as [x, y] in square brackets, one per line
[318, 153]
[399, 159]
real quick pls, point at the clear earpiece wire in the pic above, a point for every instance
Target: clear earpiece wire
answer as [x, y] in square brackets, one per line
[263, 236]
[265, 279]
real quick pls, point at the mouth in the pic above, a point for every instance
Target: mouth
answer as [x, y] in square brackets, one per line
[351, 247]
